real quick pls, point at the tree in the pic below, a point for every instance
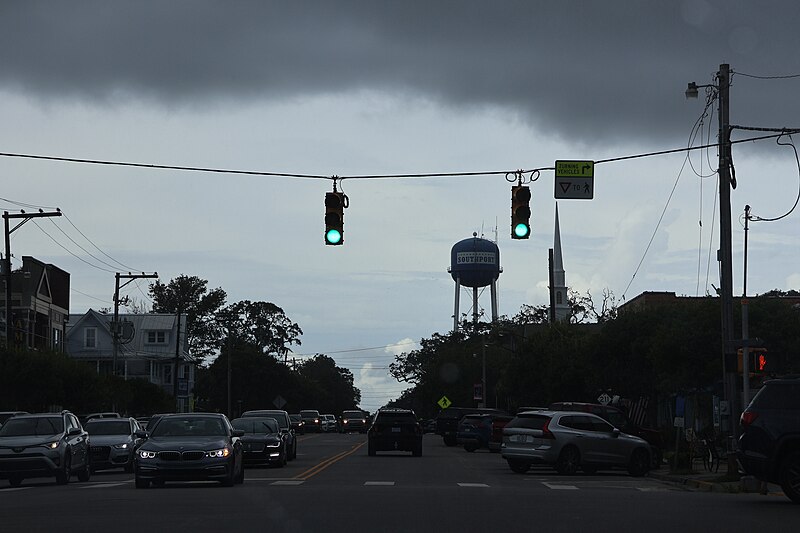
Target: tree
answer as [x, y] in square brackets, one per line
[261, 324]
[330, 387]
[189, 296]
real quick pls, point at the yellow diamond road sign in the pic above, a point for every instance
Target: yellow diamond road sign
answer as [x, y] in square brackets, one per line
[574, 180]
[444, 402]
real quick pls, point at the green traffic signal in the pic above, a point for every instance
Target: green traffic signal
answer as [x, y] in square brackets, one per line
[521, 231]
[333, 236]
[335, 202]
[520, 212]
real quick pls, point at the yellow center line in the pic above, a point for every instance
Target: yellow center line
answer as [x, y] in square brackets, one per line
[316, 469]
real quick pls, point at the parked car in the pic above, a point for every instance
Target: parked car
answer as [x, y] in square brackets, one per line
[284, 425]
[481, 431]
[570, 440]
[297, 424]
[262, 441]
[620, 420]
[395, 429]
[44, 445]
[113, 442]
[190, 447]
[312, 420]
[769, 445]
[354, 421]
[447, 421]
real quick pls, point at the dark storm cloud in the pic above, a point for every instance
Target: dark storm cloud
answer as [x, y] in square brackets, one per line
[581, 70]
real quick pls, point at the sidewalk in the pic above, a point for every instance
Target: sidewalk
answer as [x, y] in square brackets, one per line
[701, 480]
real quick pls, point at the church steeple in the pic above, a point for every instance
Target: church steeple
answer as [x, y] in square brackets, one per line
[559, 288]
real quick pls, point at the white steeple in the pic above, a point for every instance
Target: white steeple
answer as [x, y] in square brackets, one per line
[559, 288]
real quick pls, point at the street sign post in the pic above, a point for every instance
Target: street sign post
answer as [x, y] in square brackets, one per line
[574, 180]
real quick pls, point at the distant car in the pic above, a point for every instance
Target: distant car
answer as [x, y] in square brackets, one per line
[620, 420]
[331, 424]
[190, 447]
[354, 421]
[312, 420]
[113, 442]
[769, 445]
[106, 414]
[44, 445]
[284, 424]
[395, 430]
[297, 424]
[262, 441]
[447, 421]
[481, 431]
[5, 415]
[569, 441]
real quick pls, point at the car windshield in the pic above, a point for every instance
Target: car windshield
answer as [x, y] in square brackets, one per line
[256, 426]
[528, 422]
[309, 414]
[28, 427]
[116, 427]
[352, 414]
[190, 426]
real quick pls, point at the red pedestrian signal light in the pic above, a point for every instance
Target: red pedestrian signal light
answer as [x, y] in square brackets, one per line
[335, 202]
[520, 212]
[756, 361]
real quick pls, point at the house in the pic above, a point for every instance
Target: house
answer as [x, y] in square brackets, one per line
[39, 305]
[146, 349]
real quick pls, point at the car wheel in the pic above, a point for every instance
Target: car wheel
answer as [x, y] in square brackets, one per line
[418, 450]
[370, 449]
[15, 481]
[158, 483]
[294, 450]
[519, 466]
[589, 469]
[240, 477]
[142, 483]
[230, 479]
[62, 476]
[790, 476]
[640, 462]
[568, 461]
[470, 447]
[450, 441]
[85, 473]
[657, 456]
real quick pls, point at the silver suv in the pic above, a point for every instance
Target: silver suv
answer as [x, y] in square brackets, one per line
[569, 441]
[44, 445]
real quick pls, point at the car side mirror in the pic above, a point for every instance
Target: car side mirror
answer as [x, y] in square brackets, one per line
[73, 431]
[615, 433]
[141, 434]
[237, 433]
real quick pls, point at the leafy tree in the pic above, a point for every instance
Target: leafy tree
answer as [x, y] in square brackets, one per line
[330, 388]
[189, 295]
[261, 324]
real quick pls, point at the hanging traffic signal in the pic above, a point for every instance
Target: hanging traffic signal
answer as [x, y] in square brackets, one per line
[334, 218]
[520, 212]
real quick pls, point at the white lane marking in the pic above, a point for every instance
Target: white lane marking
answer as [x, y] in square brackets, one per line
[653, 489]
[291, 482]
[13, 489]
[379, 483]
[473, 485]
[555, 486]
[103, 485]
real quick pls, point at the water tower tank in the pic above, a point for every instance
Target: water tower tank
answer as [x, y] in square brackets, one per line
[475, 262]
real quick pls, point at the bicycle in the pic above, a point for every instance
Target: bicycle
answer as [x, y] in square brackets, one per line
[710, 454]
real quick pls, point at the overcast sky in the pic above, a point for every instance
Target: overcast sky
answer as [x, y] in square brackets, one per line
[341, 88]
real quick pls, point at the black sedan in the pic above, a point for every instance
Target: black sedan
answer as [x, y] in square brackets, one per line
[262, 441]
[190, 447]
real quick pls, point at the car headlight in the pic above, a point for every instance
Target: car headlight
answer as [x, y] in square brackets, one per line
[146, 454]
[123, 446]
[224, 452]
[344, 421]
[52, 445]
[274, 445]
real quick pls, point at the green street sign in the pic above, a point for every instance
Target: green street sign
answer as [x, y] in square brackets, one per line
[574, 180]
[444, 402]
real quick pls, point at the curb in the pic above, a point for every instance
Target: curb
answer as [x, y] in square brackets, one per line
[703, 485]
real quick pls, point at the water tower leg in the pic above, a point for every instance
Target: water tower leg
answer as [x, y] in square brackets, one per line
[493, 292]
[455, 312]
[475, 306]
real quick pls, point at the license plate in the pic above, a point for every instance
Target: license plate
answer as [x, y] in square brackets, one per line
[395, 430]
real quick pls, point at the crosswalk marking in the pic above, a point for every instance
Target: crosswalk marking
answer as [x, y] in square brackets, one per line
[379, 483]
[102, 485]
[555, 486]
[473, 485]
[290, 482]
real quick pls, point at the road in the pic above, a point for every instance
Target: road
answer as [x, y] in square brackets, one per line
[334, 486]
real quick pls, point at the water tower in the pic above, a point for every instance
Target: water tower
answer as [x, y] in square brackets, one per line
[475, 263]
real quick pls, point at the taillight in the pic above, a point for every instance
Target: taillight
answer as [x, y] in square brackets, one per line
[546, 433]
[748, 417]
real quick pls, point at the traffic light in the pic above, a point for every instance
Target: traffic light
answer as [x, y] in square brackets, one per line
[520, 212]
[334, 218]
[756, 361]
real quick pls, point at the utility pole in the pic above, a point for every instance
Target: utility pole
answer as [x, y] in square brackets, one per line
[115, 330]
[745, 319]
[25, 217]
[177, 361]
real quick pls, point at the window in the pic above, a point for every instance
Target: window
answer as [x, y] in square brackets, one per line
[156, 337]
[90, 338]
[167, 374]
